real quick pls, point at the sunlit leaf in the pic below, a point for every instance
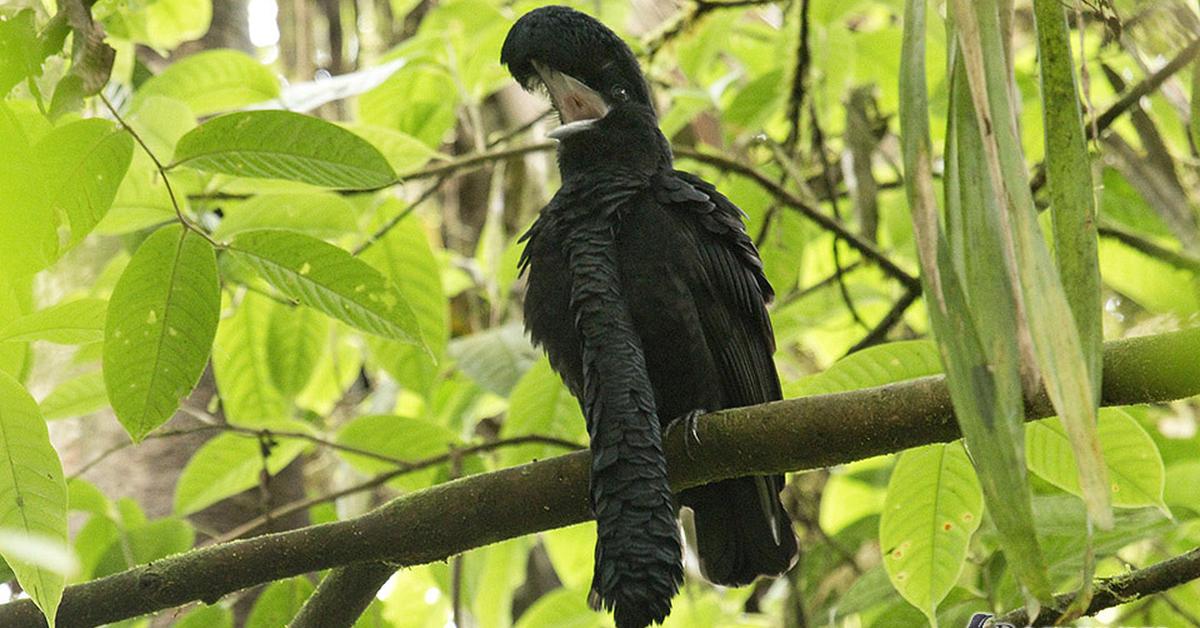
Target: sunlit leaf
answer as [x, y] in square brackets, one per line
[160, 326]
[296, 338]
[89, 159]
[396, 438]
[28, 242]
[1134, 466]
[73, 322]
[213, 81]
[541, 404]
[33, 495]
[319, 214]
[76, 397]
[934, 504]
[231, 463]
[241, 364]
[279, 603]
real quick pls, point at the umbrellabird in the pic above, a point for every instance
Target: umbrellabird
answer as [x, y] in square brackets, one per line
[650, 300]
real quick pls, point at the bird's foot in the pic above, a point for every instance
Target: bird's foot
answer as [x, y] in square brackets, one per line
[690, 423]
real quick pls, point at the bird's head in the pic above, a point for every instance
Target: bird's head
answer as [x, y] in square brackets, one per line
[591, 76]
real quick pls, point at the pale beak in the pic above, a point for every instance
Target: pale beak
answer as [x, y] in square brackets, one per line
[579, 106]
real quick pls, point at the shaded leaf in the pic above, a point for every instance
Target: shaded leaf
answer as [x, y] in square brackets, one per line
[241, 365]
[76, 397]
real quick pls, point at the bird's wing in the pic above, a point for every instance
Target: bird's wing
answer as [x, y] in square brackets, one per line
[734, 315]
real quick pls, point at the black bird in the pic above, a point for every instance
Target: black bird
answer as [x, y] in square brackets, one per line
[650, 300]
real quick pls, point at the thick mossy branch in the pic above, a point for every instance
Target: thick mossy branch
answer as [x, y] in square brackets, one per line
[457, 516]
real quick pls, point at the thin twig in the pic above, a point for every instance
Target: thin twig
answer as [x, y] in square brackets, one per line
[395, 220]
[890, 320]
[1130, 99]
[162, 172]
[383, 478]
[827, 178]
[799, 79]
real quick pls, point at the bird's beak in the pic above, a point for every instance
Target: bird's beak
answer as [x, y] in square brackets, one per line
[579, 106]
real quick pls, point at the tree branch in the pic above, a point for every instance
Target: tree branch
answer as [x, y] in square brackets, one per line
[1120, 589]
[457, 516]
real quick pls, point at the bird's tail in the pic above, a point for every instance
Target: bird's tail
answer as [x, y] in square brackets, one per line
[742, 530]
[638, 549]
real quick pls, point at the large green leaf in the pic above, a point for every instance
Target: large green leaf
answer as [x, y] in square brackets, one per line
[329, 279]
[213, 81]
[143, 542]
[88, 160]
[561, 608]
[232, 463]
[33, 493]
[160, 326]
[934, 504]
[572, 553]
[74, 322]
[75, 397]
[284, 145]
[1134, 466]
[241, 365]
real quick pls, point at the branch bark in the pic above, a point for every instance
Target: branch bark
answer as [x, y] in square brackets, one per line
[1120, 589]
[457, 516]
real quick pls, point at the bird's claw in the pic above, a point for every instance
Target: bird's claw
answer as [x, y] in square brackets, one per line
[691, 436]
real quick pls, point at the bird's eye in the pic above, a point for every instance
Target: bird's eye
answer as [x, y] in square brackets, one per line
[620, 94]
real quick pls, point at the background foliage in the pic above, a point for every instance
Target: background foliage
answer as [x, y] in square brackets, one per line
[275, 244]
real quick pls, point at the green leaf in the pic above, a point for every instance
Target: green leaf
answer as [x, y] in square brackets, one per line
[279, 603]
[213, 81]
[1069, 182]
[329, 279]
[83, 496]
[38, 552]
[89, 159]
[71, 323]
[1134, 466]
[296, 339]
[143, 542]
[319, 214]
[874, 366]
[503, 570]
[561, 608]
[933, 506]
[160, 326]
[1180, 488]
[405, 257]
[76, 397]
[207, 617]
[28, 242]
[430, 96]
[541, 404]
[572, 553]
[230, 464]
[401, 438]
[241, 365]
[33, 493]
[404, 152]
[987, 400]
[495, 358]
[284, 145]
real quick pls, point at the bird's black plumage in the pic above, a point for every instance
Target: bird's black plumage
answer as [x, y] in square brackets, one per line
[650, 300]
